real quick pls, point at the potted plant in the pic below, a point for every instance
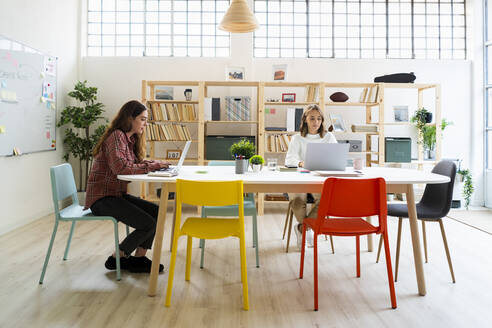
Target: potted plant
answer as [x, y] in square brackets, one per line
[427, 133]
[242, 151]
[467, 186]
[82, 138]
[256, 162]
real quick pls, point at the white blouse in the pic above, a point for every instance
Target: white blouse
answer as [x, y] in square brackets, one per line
[297, 146]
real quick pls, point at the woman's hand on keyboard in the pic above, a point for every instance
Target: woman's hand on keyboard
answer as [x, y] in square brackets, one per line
[163, 164]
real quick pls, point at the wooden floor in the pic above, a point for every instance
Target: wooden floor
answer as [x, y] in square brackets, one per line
[80, 292]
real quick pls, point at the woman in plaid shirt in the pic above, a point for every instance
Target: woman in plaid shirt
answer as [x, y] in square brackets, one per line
[121, 151]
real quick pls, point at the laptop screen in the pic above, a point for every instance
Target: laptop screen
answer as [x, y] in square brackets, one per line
[183, 154]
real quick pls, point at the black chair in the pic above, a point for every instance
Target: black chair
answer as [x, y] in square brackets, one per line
[433, 206]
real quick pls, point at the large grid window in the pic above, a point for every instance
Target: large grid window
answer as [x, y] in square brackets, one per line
[156, 28]
[421, 29]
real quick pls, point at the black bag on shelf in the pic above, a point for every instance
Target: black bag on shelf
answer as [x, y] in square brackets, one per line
[396, 78]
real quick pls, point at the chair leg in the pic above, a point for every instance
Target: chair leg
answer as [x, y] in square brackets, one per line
[315, 255]
[172, 266]
[425, 240]
[398, 246]
[47, 258]
[388, 267]
[127, 230]
[448, 255]
[244, 273]
[303, 247]
[290, 230]
[331, 242]
[189, 247]
[286, 221]
[65, 256]
[117, 248]
[357, 254]
[255, 239]
[379, 248]
[202, 243]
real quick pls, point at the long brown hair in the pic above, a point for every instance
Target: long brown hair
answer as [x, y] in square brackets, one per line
[123, 122]
[304, 127]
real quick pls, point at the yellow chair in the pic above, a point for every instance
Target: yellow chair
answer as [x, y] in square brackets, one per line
[208, 193]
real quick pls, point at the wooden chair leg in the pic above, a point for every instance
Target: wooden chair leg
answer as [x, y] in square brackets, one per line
[286, 221]
[398, 244]
[290, 230]
[425, 240]
[448, 255]
[379, 248]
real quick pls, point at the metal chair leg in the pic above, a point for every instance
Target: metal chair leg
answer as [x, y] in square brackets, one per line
[331, 242]
[117, 252]
[127, 230]
[47, 258]
[255, 239]
[448, 255]
[65, 256]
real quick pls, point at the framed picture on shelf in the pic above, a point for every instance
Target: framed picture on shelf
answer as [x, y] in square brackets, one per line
[288, 97]
[235, 73]
[164, 93]
[173, 153]
[337, 122]
[279, 72]
[401, 113]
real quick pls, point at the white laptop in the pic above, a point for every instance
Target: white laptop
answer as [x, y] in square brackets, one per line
[326, 156]
[172, 171]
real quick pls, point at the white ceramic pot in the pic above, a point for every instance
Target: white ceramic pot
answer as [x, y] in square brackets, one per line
[256, 168]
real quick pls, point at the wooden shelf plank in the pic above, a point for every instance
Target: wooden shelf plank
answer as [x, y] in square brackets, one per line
[231, 83]
[347, 104]
[282, 132]
[170, 121]
[408, 85]
[154, 83]
[238, 122]
[172, 101]
[279, 103]
[170, 140]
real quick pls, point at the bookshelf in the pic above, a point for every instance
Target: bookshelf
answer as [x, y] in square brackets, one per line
[369, 110]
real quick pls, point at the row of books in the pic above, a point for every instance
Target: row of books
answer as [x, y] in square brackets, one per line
[364, 128]
[159, 132]
[369, 95]
[311, 93]
[172, 112]
[278, 142]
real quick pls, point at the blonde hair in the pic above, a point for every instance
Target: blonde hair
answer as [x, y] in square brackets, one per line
[123, 122]
[304, 127]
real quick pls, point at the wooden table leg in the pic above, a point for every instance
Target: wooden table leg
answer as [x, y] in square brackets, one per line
[369, 237]
[159, 234]
[417, 253]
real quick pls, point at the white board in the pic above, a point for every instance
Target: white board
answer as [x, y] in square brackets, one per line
[27, 99]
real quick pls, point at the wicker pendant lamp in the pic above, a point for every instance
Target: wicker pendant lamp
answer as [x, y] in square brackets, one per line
[239, 18]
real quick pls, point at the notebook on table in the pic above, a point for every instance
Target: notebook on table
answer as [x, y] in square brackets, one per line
[326, 156]
[172, 171]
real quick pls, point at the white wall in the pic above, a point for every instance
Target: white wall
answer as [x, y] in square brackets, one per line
[50, 26]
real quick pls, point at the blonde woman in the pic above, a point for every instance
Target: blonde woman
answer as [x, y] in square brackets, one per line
[312, 129]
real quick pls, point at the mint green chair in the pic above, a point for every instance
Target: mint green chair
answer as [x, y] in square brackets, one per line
[63, 186]
[249, 210]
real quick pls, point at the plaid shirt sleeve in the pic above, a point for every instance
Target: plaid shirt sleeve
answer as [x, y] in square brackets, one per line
[121, 159]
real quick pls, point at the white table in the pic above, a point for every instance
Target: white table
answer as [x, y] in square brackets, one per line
[397, 181]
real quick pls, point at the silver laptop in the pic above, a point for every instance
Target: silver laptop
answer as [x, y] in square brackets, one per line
[326, 156]
[172, 171]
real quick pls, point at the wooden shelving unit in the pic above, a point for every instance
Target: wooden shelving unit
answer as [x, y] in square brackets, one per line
[372, 156]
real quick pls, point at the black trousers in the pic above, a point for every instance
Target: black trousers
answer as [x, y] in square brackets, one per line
[133, 211]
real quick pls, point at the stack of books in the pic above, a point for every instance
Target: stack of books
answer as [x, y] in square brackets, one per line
[172, 112]
[311, 93]
[278, 143]
[158, 132]
[369, 95]
[364, 128]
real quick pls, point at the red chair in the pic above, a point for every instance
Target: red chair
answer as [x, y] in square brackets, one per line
[345, 202]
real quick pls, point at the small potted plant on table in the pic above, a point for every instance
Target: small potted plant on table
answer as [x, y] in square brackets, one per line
[256, 162]
[242, 151]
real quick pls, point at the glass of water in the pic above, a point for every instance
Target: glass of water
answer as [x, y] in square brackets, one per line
[272, 164]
